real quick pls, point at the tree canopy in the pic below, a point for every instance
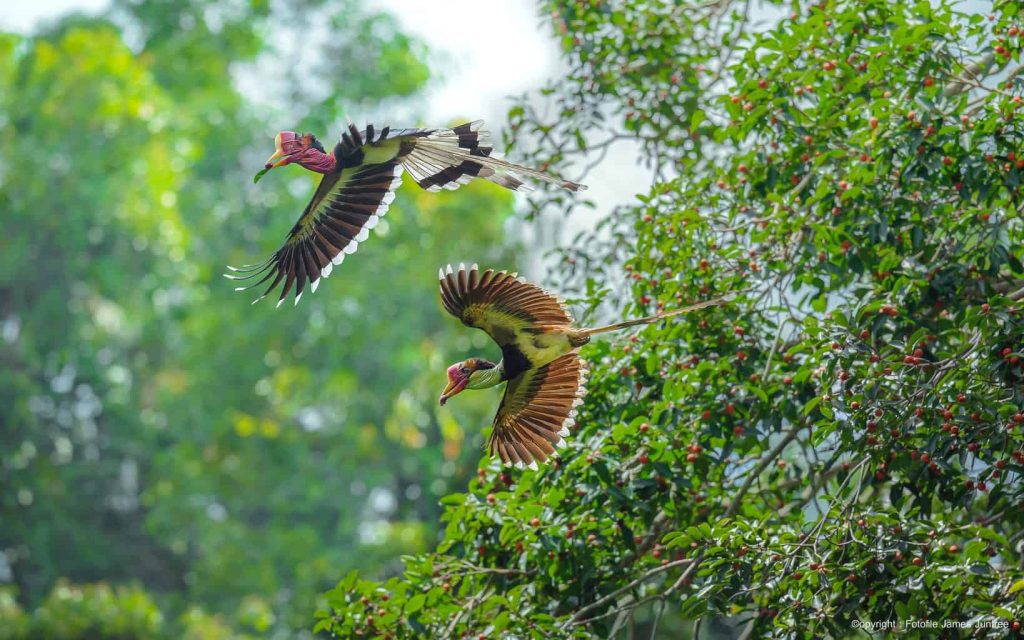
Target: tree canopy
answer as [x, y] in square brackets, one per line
[840, 446]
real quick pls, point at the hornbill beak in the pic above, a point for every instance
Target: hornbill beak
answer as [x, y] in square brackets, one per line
[456, 383]
[278, 159]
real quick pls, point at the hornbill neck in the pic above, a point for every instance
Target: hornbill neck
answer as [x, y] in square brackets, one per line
[319, 162]
[487, 378]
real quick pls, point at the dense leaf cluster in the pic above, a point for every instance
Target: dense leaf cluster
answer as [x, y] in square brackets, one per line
[840, 445]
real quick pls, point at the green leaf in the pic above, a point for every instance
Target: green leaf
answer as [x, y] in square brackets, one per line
[415, 603]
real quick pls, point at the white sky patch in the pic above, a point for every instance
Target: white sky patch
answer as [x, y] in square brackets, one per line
[482, 53]
[24, 17]
[505, 49]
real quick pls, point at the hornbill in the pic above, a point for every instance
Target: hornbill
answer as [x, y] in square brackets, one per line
[539, 357]
[361, 175]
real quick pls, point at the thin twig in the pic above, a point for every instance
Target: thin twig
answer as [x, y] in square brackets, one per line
[970, 72]
[657, 618]
[756, 472]
[597, 604]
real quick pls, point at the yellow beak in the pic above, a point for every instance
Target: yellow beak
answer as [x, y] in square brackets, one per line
[279, 156]
[454, 387]
[275, 160]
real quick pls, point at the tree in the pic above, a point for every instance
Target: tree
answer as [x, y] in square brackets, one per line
[842, 443]
[156, 428]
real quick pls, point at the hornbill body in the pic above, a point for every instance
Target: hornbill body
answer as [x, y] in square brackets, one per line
[539, 357]
[361, 175]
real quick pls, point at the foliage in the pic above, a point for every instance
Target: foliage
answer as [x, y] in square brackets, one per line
[842, 443]
[156, 428]
[93, 611]
[101, 612]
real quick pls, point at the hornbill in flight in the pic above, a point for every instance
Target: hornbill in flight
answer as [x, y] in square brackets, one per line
[361, 175]
[539, 357]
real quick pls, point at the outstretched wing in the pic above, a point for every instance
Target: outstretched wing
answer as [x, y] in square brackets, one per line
[350, 201]
[450, 158]
[498, 302]
[345, 207]
[347, 204]
[537, 410]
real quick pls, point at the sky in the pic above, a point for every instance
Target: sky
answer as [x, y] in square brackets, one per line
[476, 78]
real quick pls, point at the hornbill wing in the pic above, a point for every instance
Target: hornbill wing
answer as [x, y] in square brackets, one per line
[449, 158]
[345, 206]
[351, 200]
[537, 409]
[441, 158]
[498, 302]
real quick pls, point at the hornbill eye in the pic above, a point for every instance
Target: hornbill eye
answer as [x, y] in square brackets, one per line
[464, 370]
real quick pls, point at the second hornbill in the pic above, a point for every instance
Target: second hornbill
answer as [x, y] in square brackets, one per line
[361, 175]
[539, 357]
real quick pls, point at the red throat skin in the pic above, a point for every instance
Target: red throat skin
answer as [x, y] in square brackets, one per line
[318, 161]
[295, 149]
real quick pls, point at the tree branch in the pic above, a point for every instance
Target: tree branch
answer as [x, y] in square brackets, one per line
[597, 604]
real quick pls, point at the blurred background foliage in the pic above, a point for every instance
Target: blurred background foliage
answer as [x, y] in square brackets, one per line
[156, 430]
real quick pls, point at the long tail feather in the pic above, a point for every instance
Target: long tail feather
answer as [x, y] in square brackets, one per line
[651, 319]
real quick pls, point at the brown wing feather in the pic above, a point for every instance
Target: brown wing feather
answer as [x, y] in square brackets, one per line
[498, 302]
[536, 411]
[341, 213]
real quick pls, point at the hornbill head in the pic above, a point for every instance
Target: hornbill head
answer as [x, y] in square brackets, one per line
[474, 373]
[291, 147]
